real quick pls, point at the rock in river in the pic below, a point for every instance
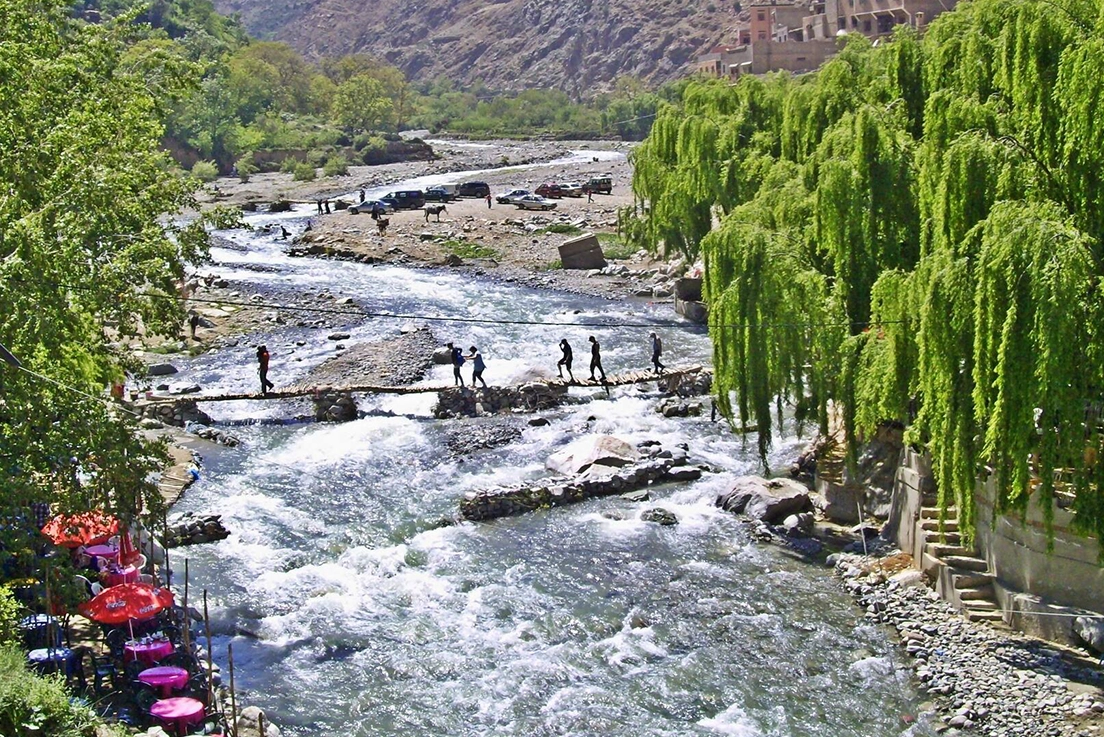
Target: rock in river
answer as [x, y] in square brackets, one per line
[603, 450]
[768, 500]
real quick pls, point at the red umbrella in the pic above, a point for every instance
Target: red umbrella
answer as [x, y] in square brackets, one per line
[86, 528]
[126, 602]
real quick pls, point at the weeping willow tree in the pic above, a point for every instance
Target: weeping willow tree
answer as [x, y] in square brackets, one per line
[914, 234]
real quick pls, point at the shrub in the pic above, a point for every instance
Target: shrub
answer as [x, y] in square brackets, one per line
[615, 247]
[27, 699]
[561, 229]
[205, 171]
[336, 166]
[10, 614]
[304, 172]
[288, 165]
[469, 249]
[246, 167]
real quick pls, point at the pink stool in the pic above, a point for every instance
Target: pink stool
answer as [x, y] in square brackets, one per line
[164, 678]
[179, 712]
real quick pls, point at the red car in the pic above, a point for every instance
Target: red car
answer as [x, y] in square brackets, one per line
[553, 191]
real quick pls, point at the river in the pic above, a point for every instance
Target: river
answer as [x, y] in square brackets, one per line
[351, 612]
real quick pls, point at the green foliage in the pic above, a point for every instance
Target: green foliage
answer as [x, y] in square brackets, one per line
[246, 167]
[304, 172]
[912, 234]
[88, 261]
[469, 249]
[614, 246]
[361, 104]
[40, 701]
[336, 166]
[10, 613]
[205, 171]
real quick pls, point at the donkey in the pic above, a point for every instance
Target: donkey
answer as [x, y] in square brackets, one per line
[382, 224]
[434, 210]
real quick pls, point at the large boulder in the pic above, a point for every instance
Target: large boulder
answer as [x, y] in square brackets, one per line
[770, 500]
[161, 369]
[250, 722]
[602, 450]
[1090, 631]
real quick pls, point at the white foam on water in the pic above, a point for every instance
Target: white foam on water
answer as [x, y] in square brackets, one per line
[733, 721]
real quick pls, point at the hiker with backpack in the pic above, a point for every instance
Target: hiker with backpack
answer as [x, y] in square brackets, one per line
[456, 356]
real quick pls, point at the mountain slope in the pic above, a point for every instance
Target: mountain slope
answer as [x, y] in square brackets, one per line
[575, 45]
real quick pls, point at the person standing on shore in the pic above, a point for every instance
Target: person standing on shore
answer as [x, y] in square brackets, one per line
[477, 366]
[596, 359]
[362, 195]
[565, 361]
[262, 366]
[657, 351]
[193, 321]
[488, 200]
[319, 203]
[456, 356]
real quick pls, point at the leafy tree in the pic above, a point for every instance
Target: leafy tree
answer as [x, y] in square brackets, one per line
[87, 261]
[361, 104]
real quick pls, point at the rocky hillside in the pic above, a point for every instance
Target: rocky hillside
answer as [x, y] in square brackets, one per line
[579, 46]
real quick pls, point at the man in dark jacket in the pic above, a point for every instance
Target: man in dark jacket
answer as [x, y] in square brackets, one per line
[596, 359]
[566, 360]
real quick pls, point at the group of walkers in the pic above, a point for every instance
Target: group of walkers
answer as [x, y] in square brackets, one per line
[457, 358]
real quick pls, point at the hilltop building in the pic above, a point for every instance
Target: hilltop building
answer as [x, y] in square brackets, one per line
[799, 35]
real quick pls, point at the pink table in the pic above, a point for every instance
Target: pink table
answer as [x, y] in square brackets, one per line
[178, 712]
[164, 678]
[147, 652]
[123, 575]
[102, 551]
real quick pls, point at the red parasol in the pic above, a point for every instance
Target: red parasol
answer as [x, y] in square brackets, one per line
[127, 552]
[86, 528]
[126, 602]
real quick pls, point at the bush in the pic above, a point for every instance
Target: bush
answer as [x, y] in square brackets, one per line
[288, 165]
[27, 699]
[561, 229]
[205, 171]
[336, 166]
[10, 614]
[304, 172]
[246, 167]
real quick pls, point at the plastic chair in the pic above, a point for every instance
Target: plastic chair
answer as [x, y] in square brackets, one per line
[146, 578]
[116, 642]
[103, 670]
[97, 588]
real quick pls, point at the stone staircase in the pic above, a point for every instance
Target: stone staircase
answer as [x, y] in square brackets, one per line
[962, 578]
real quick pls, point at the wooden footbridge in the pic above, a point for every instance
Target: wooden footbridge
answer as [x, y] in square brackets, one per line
[676, 374]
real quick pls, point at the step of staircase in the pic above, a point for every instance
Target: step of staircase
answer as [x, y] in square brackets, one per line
[978, 598]
[947, 538]
[971, 580]
[966, 562]
[945, 550]
[992, 617]
[932, 525]
[929, 513]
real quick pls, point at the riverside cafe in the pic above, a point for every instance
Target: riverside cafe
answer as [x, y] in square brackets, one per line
[141, 667]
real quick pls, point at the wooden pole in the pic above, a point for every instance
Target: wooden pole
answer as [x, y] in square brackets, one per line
[210, 662]
[165, 545]
[187, 623]
[261, 724]
[233, 695]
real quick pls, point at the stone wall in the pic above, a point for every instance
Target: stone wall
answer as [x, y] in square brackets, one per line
[560, 490]
[1069, 575]
[1041, 591]
[464, 401]
[178, 413]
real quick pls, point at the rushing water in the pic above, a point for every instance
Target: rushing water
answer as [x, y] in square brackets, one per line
[352, 613]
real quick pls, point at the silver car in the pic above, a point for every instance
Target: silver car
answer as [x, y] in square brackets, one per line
[372, 206]
[535, 202]
[512, 196]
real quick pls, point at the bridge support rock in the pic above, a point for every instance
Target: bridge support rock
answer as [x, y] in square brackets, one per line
[330, 406]
[178, 413]
[462, 401]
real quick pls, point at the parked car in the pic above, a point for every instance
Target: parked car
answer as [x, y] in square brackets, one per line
[550, 190]
[572, 190]
[599, 185]
[371, 206]
[408, 199]
[512, 196]
[473, 189]
[535, 202]
[440, 194]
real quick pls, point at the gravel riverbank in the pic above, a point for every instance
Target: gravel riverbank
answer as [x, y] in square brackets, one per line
[982, 680]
